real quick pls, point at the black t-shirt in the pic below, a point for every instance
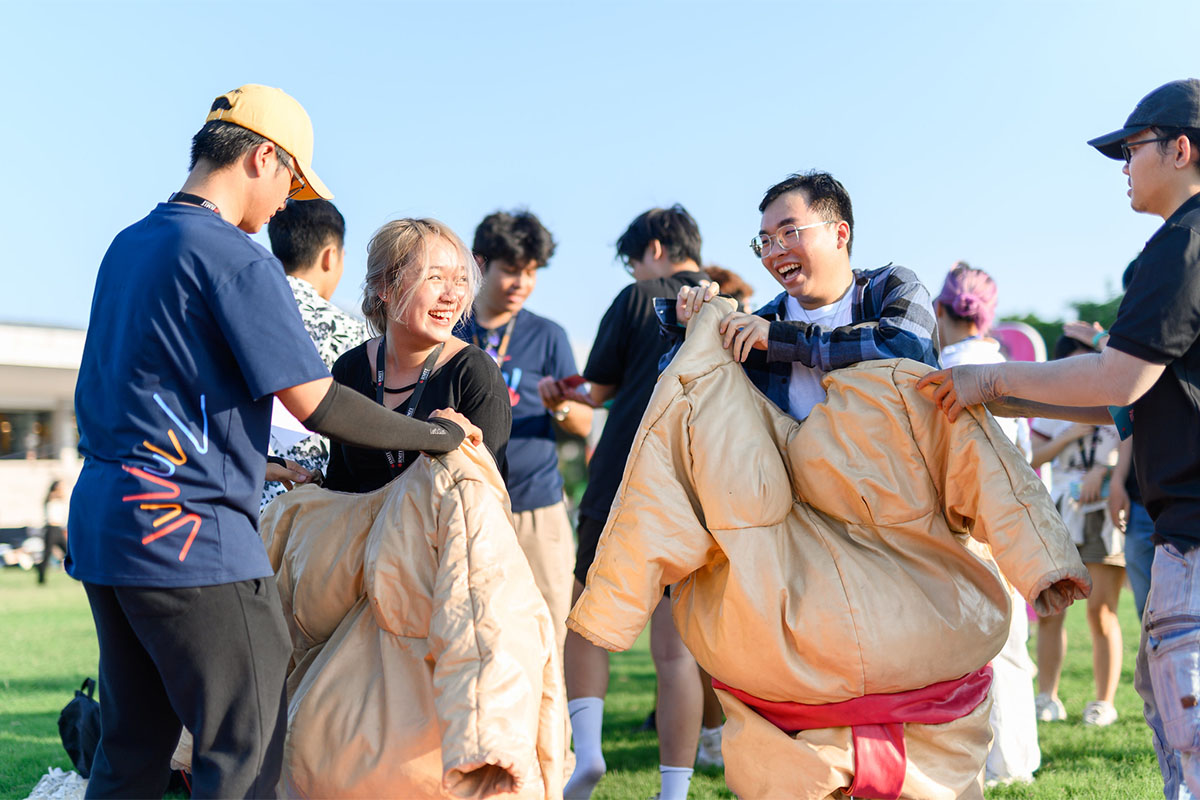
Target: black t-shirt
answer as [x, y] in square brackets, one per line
[469, 382]
[625, 354]
[1131, 485]
[1159, 322]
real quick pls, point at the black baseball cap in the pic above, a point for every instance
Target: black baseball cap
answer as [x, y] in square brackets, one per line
[1172, 105]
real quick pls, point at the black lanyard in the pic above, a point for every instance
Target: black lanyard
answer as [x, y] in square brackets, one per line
[1088, 455]
[195, 200]
[396, 460]
[504, 339]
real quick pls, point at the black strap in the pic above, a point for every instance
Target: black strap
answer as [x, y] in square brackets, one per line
[195, 200]
[1088, 454]
[396, 459]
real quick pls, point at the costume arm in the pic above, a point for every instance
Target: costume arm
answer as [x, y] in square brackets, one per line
[990, 492]
[654, 536]
[906, 328]
[481, 625]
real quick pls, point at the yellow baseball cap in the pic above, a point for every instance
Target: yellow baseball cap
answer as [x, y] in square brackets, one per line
[275, 114]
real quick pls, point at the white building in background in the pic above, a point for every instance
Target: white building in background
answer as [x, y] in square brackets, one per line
[38, 435]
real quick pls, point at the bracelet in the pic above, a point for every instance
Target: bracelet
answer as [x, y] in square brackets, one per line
[1099, 335]
[561, 412]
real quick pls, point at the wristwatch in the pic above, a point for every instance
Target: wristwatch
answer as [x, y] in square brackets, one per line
[561, 412]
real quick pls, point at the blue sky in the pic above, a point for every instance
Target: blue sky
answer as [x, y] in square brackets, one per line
[957, 127]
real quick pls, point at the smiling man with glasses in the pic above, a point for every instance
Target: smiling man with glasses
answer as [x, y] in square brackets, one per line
[1149, 368]
[828, 315]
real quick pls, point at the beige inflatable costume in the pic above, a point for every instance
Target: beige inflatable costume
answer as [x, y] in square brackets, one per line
[845, 572]
[424, 660]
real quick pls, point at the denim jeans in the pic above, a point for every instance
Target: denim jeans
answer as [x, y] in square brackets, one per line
[1168, 668]
[1139, 554]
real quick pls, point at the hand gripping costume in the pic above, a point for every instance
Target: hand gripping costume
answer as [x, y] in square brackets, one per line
[840, 579]
[424, 661]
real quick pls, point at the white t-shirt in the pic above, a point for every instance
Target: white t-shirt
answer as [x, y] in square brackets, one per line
[804, 389]
[1076, 458]
[1070, 466]
[978, 350]
[56, 512]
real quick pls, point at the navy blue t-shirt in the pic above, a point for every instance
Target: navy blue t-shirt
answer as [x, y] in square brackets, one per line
[536, 349]
[192, 329]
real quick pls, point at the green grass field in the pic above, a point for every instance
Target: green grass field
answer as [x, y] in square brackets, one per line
[49, 648]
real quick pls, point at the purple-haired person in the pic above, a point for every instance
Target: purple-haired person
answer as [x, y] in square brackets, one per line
[965, 309]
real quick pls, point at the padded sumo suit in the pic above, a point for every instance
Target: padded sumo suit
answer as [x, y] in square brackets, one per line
[853, 559]
[424, 661]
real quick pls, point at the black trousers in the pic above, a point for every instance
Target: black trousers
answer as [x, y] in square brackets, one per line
[53, 536]
[213, 658]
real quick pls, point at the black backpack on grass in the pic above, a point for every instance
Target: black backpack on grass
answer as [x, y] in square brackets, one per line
[79, 727]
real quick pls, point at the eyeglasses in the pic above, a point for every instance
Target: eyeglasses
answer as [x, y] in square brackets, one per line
[787, 237]
[1127, 147]
[298, 182]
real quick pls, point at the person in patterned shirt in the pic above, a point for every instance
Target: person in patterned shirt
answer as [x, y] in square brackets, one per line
[309, 238]
[828, 315]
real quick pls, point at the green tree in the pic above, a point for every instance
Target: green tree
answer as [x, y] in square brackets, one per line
[1050, 329]
[1104, 312]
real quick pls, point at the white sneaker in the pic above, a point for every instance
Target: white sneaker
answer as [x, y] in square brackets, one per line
[1099, 713]
[1049, 709]
[708, 754]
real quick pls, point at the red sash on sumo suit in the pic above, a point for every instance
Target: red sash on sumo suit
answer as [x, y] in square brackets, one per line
[877, 724]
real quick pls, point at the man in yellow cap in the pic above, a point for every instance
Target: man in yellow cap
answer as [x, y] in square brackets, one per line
[192, 330]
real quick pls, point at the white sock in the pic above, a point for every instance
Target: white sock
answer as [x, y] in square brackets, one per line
[675, 782]
[709, 731]
[587, 719]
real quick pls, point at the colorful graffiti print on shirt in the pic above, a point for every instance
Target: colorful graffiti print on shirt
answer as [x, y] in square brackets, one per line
[513, 381]
[172, 517]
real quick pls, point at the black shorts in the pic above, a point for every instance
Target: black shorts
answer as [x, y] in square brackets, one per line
[587, 532]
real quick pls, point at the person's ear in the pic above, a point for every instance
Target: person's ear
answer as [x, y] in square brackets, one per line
[327, 260]
[843, 234]
[259, 160]
[656, 250]
[1185, 154]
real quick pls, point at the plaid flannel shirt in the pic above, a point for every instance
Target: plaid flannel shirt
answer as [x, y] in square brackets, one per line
[892, 317]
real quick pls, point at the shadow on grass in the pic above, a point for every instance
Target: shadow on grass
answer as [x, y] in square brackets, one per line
[50, 683]
[30, 728]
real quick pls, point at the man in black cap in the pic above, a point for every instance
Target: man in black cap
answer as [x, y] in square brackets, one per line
[1151, 365]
